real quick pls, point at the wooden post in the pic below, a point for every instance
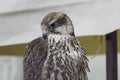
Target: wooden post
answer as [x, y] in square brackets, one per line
[111, 56]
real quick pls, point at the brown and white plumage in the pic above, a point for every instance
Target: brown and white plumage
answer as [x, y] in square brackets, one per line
[34, 58]
[58, 56]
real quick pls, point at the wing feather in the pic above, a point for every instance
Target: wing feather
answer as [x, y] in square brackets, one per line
[34, 58]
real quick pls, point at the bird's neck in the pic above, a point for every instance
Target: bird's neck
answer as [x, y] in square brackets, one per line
[62, 45]
[56, 39]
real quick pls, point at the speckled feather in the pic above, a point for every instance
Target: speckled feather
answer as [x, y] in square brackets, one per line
[61, 58]
[34, 58]
[66, 59]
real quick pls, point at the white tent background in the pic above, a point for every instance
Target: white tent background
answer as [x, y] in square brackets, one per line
[20, 23]
[20, 19]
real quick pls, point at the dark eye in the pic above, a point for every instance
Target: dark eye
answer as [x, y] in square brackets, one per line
[53, 25]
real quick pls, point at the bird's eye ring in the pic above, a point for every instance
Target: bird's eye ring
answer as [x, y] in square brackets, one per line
[46, 30]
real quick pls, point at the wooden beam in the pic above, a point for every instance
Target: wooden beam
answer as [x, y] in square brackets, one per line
[111, 56]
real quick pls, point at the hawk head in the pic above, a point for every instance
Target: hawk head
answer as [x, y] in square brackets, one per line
[57, 23]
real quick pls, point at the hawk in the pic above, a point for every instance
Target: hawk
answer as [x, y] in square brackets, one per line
[57, 55]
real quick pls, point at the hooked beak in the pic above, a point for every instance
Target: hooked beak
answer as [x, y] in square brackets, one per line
[45, 34]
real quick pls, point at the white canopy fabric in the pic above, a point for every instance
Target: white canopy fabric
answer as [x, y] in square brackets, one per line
[20, 19]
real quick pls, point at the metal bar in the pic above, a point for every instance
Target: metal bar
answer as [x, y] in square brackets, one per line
[111, 56]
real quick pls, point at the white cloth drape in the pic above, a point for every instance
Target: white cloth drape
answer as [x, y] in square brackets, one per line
[11, 68]
[20, 19]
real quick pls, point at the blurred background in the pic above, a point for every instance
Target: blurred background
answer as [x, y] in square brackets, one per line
[92, 20]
